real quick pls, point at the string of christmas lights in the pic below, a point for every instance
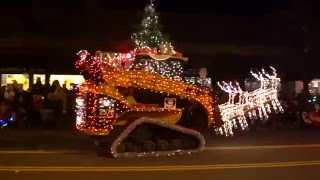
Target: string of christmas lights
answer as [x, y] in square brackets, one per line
[249, 103]
[170, 69]
[123, 61]
[157, 83]
[89, 67]
[98, 106]
[202, 82]
[156, 66]
[158, 122]
[150, 42]
[112, 77]
[149, 35]
[149, 38]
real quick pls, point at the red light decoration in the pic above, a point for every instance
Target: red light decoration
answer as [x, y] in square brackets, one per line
[128, 56]
[102, 78]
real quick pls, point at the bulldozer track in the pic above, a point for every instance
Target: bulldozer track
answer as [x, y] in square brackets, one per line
[158, 122]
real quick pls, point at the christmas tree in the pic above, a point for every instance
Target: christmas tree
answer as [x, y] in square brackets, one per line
[154, 52]
[149, 34]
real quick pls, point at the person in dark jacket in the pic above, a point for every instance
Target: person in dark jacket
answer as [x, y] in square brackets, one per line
[38, 88]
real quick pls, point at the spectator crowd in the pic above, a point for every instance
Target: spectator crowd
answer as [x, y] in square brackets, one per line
[41, 106]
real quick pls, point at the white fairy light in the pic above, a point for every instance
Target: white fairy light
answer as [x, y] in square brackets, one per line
[170, 69]
[80, 111]
[260, 113]
[203, 82]
[83, 54]
[158, 122]
[254, 114]
[260, 99]
[268, 108]
[121, 61]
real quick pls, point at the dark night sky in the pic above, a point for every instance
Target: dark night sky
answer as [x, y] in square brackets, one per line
[31, 24]
[210, 6]
[180, 6]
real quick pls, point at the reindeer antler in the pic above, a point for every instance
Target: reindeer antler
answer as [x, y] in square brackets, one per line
[239, 90]
[230, 89]
[225, 87]
[255, 75]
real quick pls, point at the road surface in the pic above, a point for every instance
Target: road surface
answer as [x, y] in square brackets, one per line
[291, 154]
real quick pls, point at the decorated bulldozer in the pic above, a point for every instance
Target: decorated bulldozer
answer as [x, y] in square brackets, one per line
[132, 109]
[141, 103]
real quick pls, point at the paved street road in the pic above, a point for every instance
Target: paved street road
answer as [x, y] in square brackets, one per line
[59, 155]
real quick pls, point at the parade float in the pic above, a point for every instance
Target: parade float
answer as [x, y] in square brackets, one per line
[139, 104]
[253, 105]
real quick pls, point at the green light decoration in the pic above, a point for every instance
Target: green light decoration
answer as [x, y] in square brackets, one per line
[149, 40]
[149, 34]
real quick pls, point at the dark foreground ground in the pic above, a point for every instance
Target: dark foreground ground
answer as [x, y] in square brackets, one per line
[264, 154]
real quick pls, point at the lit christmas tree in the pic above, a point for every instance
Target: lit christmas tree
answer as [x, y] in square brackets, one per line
[154, 53]
[149, 34]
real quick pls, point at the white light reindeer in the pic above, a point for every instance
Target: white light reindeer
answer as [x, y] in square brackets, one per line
[248, 103]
